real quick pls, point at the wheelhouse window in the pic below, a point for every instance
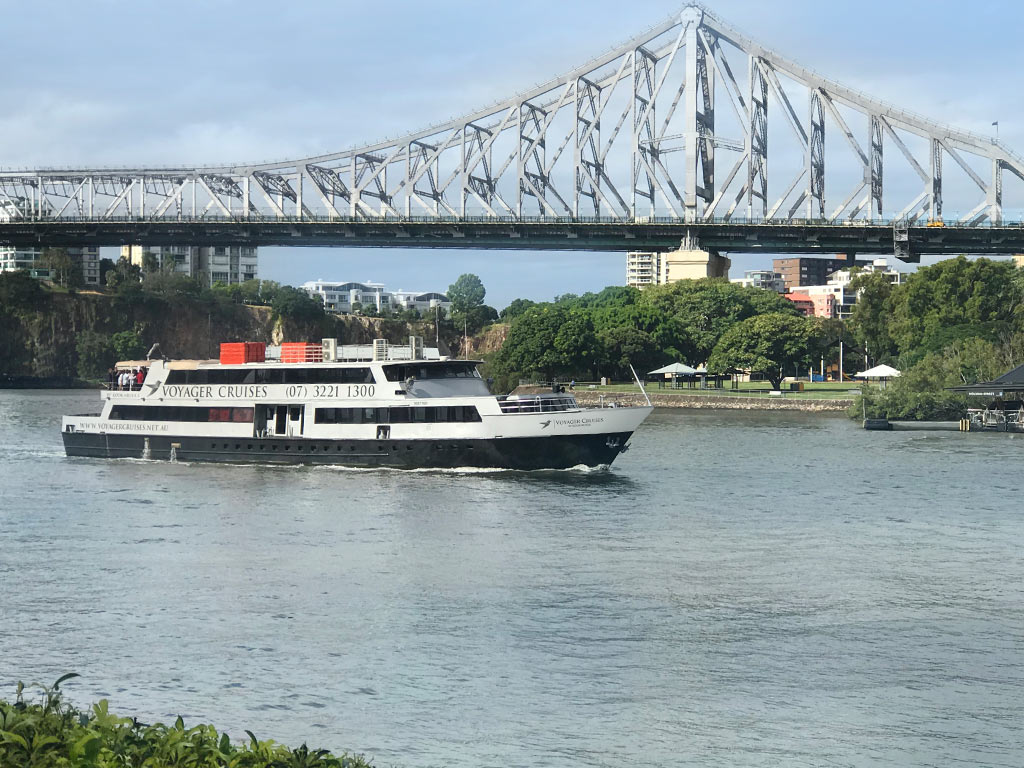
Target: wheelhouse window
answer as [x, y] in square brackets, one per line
[427, 372]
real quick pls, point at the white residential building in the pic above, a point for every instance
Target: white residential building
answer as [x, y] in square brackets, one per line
[341, 297]
[877, 266]
[765, 279]
[643, 268]
[31, 259]
[219, 264]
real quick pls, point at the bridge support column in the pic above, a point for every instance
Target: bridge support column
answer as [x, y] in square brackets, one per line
[691, 262]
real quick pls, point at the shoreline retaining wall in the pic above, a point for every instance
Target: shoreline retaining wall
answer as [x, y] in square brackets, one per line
[721, 402]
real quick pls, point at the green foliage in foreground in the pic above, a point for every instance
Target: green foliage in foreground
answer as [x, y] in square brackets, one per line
[51, 733]
[922, 392]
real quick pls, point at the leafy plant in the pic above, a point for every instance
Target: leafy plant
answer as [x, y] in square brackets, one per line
[50, 733]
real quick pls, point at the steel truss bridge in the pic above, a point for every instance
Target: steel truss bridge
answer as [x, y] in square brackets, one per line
[662, 140]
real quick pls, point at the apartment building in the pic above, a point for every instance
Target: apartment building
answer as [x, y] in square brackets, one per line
[765, 279]
[342, 297]
[802, 270]
[218, 264]
[835, 298]
[643, 268]
[31, 259]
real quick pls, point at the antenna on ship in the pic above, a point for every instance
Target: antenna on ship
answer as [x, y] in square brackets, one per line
[640, 384]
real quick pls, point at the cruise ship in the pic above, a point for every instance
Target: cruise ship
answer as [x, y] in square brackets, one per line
[378, 406]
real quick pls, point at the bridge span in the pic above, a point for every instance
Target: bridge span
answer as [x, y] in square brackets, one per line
[907, 242]
[690, 130]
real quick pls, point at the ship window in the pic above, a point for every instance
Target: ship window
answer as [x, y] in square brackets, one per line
[294, 375]
[431, 371]
[180, 413]
[285, 374]
[351, 416]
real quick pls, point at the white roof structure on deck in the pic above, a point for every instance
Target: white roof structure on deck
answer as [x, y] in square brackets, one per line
[679, 369]
[878, 372]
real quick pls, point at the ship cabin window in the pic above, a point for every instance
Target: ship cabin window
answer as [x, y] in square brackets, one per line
[283, 374]
[450, 370]
[180, 413]
[447, 379]
[398, 415]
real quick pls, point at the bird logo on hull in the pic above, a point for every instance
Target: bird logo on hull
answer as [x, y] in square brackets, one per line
[545, 424]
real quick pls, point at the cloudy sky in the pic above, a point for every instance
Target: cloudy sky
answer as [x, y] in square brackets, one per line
[142, 82]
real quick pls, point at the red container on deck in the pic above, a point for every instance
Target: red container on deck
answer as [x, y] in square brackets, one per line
[301, 352]
[243, 352]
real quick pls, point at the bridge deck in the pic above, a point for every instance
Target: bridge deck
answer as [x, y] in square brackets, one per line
[508, 234]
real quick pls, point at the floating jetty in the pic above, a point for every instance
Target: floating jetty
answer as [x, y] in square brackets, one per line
[971, 424]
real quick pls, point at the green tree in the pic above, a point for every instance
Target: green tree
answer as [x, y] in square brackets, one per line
[128, 346]
[20, 291]
[768, 344]
[549, 341]
[515, 309]
[706, 309]
[63, 267]
[980, 298]
[625, 345]
[95, 354]
[106, 266]
[467, 297]
[124, 275]
[296, 304]
[480, 316]
[150, 263]
[869, 323]
[922, 391]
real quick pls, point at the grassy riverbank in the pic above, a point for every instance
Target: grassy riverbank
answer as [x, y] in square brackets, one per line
[39, 729]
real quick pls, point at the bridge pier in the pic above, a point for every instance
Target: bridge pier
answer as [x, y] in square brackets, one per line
[691, 262]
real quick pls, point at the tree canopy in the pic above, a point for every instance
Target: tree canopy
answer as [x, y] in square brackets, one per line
[680, 322]
[466, 293]
[956, 298]
[768, 344]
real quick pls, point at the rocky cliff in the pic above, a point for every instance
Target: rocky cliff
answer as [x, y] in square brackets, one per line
[41, 341]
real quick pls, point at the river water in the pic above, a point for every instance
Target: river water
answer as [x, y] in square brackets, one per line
[741, 589]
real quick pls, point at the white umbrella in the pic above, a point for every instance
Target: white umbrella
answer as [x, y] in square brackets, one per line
[878, 372]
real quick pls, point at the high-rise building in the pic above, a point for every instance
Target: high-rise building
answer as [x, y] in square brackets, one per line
[86, 259]
[643, 268]
[218, 264]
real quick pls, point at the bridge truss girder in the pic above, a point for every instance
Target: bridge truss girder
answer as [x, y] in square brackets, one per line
[642, 133]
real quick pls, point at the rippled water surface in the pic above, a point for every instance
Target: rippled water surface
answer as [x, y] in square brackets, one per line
[742, 589]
